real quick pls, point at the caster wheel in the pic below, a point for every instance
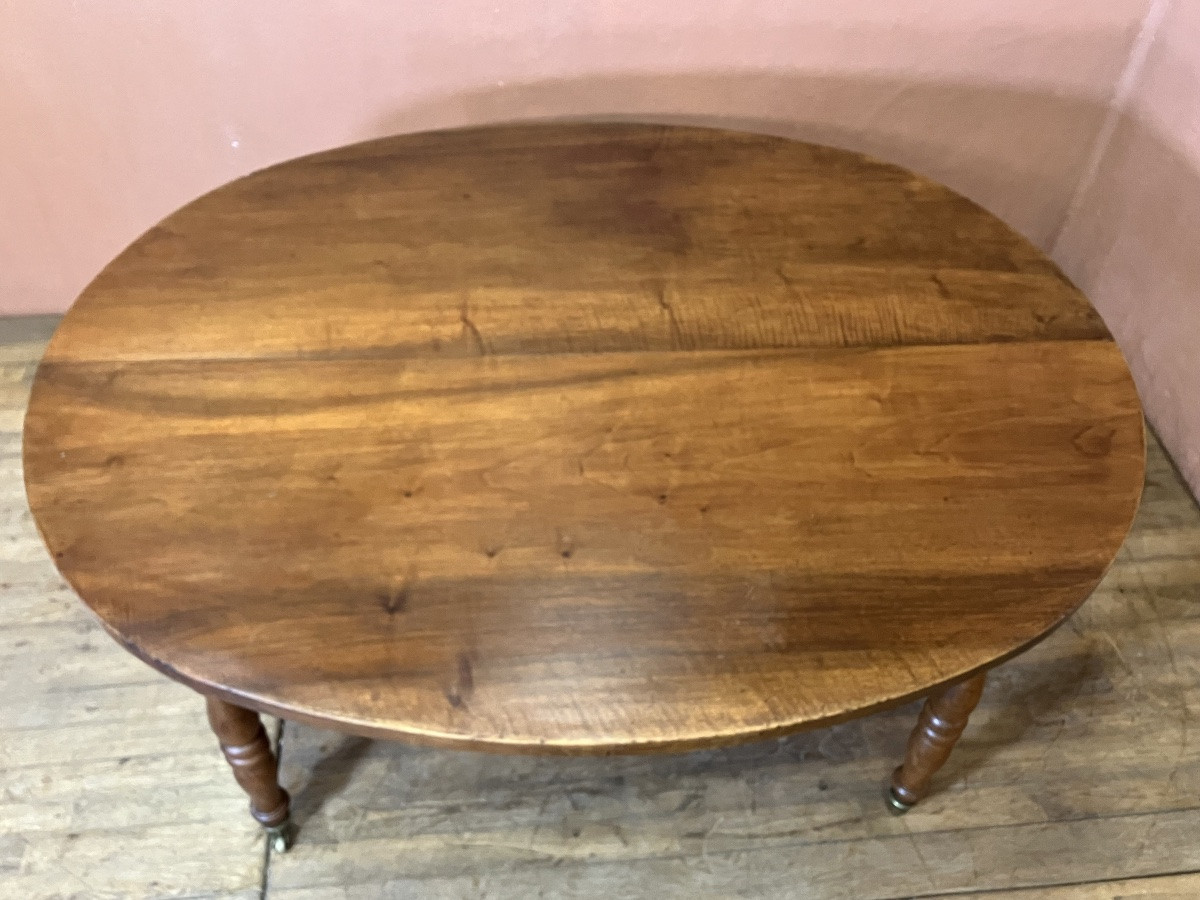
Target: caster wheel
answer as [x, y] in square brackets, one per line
[281, 837]
[895, 805]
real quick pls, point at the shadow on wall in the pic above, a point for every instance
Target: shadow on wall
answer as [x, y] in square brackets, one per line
[1126, 239]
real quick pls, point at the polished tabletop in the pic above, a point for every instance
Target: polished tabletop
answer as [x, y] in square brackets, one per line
[581, 438]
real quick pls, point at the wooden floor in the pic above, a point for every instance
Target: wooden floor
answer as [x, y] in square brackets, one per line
[1079, 776]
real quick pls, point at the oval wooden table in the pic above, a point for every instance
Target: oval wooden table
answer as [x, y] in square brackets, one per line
[581, 438]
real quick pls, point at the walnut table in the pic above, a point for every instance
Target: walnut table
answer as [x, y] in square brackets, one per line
[581, 438]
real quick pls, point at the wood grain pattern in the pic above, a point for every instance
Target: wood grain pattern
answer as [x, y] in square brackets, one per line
[581, 438]
[570, 238]
[1080, 766]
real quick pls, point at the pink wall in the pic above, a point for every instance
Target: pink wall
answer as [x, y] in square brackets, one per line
[1132, 240]
[113, 114]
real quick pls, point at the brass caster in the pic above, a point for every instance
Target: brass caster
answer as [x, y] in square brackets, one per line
[281, 837]
[896, 806]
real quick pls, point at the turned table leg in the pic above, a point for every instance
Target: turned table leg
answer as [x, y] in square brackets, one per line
[942, 720]
[246, 746]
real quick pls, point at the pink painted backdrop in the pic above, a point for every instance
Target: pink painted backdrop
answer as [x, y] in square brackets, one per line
[1132, 241]
[113, 114]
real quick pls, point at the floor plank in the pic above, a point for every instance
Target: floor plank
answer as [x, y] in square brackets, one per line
[112, 783]
[23, 337]
[1163, 887]
[1079, 776]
